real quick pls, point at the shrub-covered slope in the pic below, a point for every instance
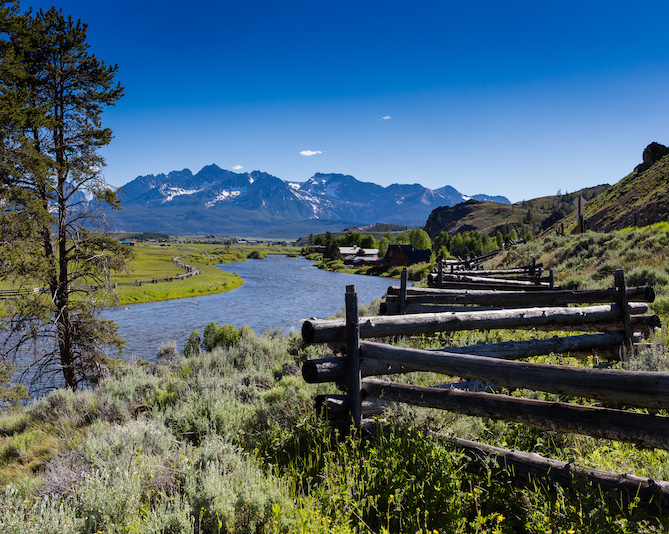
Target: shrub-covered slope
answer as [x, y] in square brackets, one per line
[639, 199]
[490, 217]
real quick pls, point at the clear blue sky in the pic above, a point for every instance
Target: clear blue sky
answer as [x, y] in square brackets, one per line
[515, 98]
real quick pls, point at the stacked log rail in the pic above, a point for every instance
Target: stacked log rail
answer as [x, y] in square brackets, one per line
[421, 300]
[620, 313]
[19, 293]
[527, 278]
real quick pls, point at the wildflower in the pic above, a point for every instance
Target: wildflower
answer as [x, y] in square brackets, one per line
[500, 518]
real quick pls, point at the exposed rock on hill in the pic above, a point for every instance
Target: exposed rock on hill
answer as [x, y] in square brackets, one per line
[651, 155]
[639, 199]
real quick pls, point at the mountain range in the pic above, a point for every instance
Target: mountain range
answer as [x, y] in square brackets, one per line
[218, 201]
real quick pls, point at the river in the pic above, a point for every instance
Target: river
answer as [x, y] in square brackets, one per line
[278, 292]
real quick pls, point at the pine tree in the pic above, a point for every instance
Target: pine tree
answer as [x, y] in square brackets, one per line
[52, 95]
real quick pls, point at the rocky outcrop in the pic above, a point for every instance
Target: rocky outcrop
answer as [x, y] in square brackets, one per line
[651, 155]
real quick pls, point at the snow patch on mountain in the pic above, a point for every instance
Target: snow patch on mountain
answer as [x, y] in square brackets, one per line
[170, 192]
[223, 195]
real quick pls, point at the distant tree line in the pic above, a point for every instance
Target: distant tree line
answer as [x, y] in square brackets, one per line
[445, 246]
[149, 236]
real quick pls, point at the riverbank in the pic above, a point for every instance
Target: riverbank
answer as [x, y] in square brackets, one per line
[417, 271]
[153, 260]
[277, 294]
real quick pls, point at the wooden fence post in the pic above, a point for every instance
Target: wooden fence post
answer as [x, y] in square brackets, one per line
[403, 291]
[353, 378]
[619, 277]
[440, 276]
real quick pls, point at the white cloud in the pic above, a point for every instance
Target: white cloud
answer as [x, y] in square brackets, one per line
[237, 168]
[386, 118]
[310, 152]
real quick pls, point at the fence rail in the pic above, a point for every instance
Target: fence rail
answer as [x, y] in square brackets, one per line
[618, 324]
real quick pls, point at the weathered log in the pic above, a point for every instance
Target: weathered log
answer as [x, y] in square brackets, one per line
[631, 427]
[477, 278]
[643, 389]
[619, 278]
[522, 298]
[353, 356]
[526, 466]
[498, 272]
[522, 465]
[391, 307]
[334, 369]
[449, 278]
[604, 345]
[494, 286]
[404, 282]
[336, 406]
[603, 318]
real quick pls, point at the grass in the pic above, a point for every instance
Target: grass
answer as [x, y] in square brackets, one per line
[155, 261]
[588, 261]
[227, 440]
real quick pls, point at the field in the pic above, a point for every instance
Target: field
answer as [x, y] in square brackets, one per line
[154, 260]
[227, 440]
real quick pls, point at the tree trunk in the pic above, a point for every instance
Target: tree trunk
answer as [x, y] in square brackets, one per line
[63, 318]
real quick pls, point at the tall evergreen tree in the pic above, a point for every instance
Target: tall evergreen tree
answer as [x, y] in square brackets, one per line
[331, 248]
[52, 95]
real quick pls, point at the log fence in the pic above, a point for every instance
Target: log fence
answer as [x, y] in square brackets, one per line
[626, 404]
[528, 278]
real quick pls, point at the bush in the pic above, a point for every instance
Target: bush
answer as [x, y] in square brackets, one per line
[418, 271]
[257, 255]
[647, 275]
[223, 336]
[192, 346]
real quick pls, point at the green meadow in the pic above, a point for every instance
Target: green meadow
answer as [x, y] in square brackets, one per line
[154, 261]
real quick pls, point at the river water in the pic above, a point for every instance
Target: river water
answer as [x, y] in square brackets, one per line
[278, 292]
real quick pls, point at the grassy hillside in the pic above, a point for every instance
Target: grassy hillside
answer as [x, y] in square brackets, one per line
[227, 441]
[639, 199]
[490, 217]
[587, 261]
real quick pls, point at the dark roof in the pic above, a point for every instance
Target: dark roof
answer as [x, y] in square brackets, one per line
[414, 256]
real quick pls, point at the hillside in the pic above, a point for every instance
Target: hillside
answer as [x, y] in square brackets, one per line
[490, 217]
[639, 199]
[588, 261]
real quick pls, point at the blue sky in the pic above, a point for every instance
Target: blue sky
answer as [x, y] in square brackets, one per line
[514, 98]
